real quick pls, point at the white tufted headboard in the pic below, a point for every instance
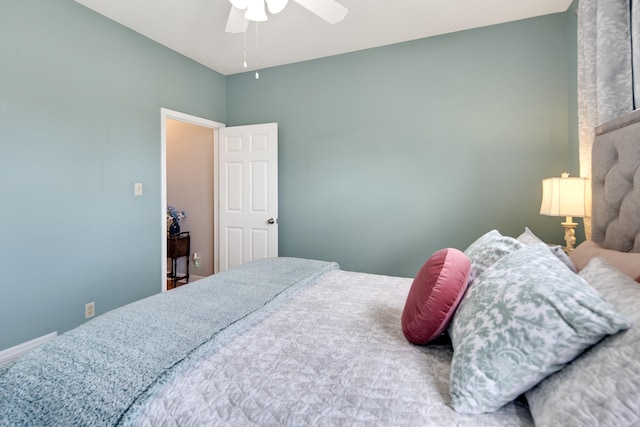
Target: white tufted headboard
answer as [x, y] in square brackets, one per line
[616, 184]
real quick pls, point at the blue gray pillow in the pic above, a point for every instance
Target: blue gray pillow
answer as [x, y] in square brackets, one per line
[528, 238]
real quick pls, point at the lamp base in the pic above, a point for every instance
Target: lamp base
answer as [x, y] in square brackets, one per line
[569, 235]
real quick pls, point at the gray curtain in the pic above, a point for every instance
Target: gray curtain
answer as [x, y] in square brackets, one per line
[608, 54]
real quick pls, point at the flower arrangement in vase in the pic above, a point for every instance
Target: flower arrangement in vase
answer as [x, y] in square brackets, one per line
[175, 216]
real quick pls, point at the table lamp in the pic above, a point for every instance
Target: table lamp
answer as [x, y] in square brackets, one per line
[564, 196]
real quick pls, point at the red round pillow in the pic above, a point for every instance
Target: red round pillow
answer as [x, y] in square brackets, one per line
[434, 295]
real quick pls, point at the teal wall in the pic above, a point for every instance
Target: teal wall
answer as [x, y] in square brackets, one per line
[80, 100]
[388, 154]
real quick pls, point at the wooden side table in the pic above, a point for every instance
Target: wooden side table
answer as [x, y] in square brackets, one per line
[177, 247]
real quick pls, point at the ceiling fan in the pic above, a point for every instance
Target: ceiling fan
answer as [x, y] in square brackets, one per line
[243, 11]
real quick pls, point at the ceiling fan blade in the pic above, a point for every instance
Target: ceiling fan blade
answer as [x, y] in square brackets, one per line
[276, 6]
[236, 22]
[329, 10]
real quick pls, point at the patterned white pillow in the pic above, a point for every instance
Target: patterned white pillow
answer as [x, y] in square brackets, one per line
[488, 249]
[601, 387]
[522, 319]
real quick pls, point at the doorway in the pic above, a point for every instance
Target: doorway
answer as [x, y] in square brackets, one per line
[177, 129]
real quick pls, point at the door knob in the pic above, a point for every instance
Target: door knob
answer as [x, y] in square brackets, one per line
[272, 221]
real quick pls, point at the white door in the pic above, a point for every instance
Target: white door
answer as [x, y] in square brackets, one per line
[248, 217]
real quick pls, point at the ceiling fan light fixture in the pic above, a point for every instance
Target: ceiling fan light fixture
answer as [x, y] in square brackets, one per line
[240, 4]
[276, 6]
[255, 11]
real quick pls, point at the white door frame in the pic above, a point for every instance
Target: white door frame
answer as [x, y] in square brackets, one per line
[199, 121]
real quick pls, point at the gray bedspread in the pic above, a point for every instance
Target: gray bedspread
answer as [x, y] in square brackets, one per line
[333, 355]
[97, 372]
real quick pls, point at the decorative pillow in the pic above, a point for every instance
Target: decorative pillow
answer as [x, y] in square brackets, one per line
[434, 295]
[488, 249]
[528, 238]
[601, 387]
[627, 262]
[521, 320]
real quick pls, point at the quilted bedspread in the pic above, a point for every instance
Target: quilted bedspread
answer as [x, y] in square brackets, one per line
[96, 373]
[333, 355]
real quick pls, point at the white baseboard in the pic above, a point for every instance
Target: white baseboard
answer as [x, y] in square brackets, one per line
[13, 353]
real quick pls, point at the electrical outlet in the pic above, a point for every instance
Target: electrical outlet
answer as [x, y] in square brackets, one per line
[89, 310]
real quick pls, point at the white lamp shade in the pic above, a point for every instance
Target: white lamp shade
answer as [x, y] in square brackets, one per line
[255, 11]
[240, 4]
[563, 196]
[276, 6]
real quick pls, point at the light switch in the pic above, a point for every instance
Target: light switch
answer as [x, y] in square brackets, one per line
[137, 189]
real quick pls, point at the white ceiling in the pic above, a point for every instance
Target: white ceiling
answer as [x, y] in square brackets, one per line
[195, 28]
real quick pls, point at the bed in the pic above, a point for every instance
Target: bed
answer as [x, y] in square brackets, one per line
[508, 332]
